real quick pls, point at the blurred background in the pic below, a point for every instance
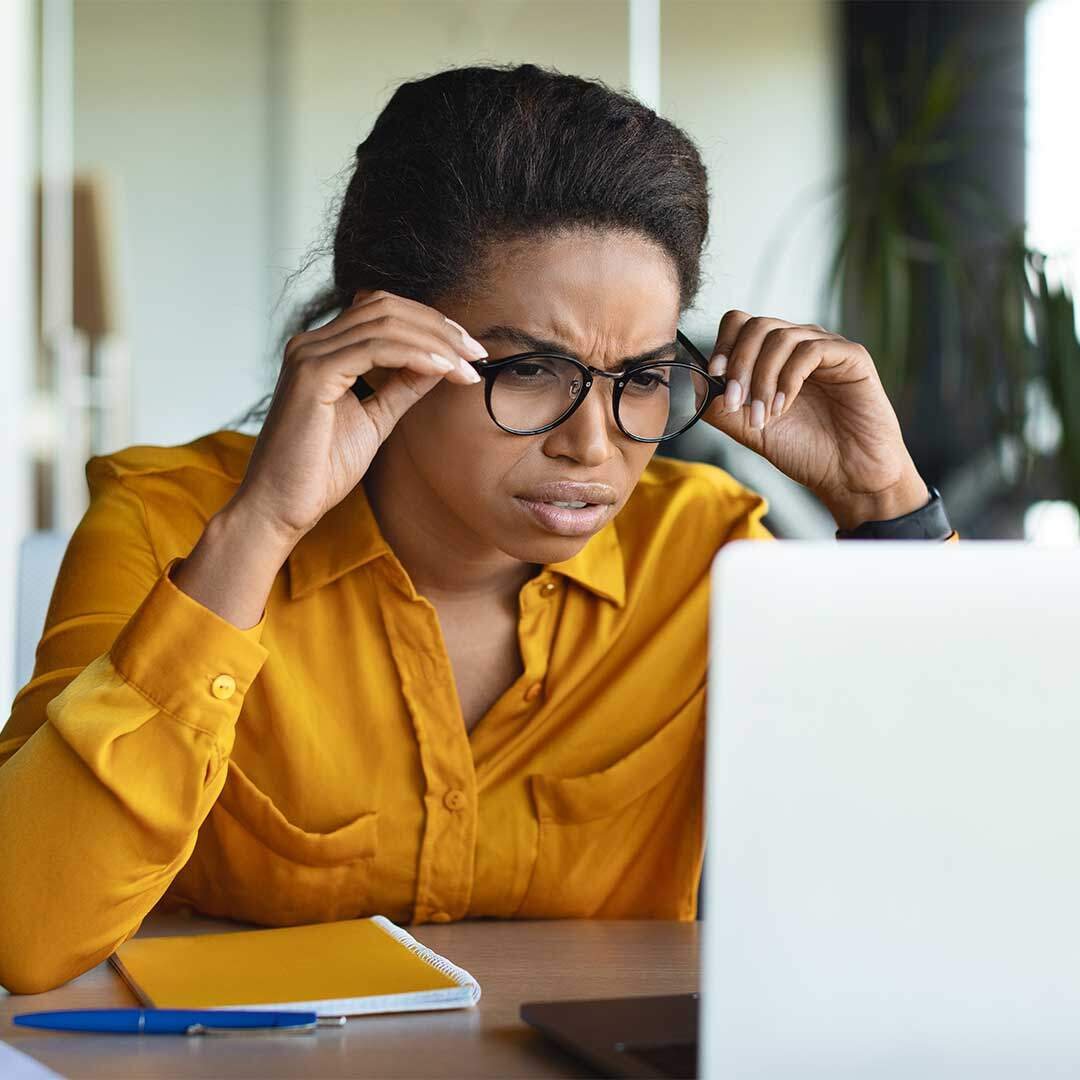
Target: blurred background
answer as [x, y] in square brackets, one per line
[904, 173]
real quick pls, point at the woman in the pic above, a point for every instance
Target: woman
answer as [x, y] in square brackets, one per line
[365, 663]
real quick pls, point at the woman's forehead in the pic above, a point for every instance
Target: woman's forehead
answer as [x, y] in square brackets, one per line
[523, 340]
[593, 294]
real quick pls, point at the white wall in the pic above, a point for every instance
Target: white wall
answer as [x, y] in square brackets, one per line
[16, 118]
[757, 84]
[171, 101]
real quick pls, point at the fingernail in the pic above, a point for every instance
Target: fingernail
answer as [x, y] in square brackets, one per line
[757, 414]
[778, 403]
[441, 362]
[718, 364]
[732, 396]
[470, 374]
[471, 343]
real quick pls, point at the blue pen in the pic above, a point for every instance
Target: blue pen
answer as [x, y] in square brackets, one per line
[179, 1021]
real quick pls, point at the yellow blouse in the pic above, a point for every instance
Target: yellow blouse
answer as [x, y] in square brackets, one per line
[317, 766]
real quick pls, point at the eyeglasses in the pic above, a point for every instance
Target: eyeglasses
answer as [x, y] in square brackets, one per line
[533, 392]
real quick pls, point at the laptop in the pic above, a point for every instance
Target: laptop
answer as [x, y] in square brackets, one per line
[892, 865]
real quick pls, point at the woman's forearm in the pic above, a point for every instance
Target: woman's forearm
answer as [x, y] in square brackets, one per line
[102, 804]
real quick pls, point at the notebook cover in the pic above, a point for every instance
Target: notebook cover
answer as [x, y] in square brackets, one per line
[339, 968]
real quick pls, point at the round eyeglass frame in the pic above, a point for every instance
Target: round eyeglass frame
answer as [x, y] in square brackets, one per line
[716, 385]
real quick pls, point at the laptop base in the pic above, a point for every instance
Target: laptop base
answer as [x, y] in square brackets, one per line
[626, 1037]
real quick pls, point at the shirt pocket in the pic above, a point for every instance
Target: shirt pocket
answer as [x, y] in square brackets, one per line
[251, 863]
[625, 841]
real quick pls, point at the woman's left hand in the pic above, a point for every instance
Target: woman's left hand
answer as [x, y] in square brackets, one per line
[811, 403]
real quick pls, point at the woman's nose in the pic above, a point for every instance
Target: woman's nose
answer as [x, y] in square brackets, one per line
[588, 434]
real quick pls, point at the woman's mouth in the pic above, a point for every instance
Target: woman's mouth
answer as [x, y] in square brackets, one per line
[566, 518]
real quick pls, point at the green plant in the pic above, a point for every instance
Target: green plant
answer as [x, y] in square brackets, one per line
[897, 220]
[905, 235]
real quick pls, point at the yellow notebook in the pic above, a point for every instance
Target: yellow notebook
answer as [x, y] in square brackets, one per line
[334, 969]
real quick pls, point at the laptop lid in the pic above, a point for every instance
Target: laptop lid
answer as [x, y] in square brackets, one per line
[893, 812]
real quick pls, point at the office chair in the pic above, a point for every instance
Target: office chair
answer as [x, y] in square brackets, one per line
[40, 554]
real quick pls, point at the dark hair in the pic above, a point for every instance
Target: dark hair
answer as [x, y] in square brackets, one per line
[474, 156]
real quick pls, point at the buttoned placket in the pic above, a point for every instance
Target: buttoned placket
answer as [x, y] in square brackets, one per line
[516, 716]
[539, 608]
[447, 850]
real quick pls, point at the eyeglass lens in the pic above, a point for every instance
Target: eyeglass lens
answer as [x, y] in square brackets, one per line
[658, 401]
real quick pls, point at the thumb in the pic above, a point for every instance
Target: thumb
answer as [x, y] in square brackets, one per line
[395, 391]
[735, 424]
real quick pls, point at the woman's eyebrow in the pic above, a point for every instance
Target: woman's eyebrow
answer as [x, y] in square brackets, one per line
[530, 343]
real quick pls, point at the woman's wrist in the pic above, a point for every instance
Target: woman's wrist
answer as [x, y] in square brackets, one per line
[232, 568]
[241, 517]
[904, 497]
[926, 522]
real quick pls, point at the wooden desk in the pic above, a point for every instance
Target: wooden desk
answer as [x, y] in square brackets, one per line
[512, 961]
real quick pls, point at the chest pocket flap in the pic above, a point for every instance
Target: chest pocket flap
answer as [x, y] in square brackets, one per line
[253, 809]
[599, 794]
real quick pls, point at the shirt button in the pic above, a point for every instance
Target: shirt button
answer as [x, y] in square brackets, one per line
[223, 687]
[534, 691]
[440, 916]
[454, 799]
[548, 589]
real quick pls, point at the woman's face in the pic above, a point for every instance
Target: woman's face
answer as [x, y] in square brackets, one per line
[601, 297]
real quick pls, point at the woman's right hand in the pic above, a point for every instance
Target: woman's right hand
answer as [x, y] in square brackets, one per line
[318, 438]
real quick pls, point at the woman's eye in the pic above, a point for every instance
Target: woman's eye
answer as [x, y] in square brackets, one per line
[526, 372]
[647, 380]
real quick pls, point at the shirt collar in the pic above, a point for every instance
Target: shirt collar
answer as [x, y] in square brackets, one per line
[598, 566]
[347, 536]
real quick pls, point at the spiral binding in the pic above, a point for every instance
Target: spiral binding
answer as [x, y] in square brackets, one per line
[440, 963]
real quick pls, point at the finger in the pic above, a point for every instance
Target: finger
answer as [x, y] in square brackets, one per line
[743, 356]
[726, 335]
[805, 358]
[395, 328]
[329, 377]
[401, 390]
[373, 354]
[398, 392]
[775, 352]
[735, 425]
[456, 336]
[377, 304]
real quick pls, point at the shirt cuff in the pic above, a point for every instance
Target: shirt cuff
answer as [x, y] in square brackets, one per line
[186, 659]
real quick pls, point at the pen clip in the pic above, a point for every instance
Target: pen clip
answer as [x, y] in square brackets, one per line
[285, 1029]
[290, 1029]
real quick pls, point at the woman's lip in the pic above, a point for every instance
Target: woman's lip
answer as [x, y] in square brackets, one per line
[564, 520]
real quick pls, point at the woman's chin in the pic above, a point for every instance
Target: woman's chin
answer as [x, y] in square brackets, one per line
[554, 549]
